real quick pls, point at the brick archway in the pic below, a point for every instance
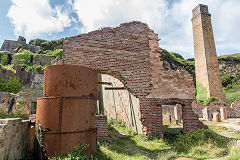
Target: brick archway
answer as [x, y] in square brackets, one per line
[131, 54]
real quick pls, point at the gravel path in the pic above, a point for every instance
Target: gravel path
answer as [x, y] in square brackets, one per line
[231, 123]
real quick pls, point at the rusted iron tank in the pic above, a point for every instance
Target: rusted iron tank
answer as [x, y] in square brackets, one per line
[66, 113]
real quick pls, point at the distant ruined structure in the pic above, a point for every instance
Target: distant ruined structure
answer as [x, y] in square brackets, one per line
[206, 62]
[16, 46]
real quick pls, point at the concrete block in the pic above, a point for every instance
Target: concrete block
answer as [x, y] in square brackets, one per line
[216, 117]
[206, 114]
[223, 113]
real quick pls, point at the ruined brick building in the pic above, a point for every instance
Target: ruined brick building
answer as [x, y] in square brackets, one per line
[130, 53]
[206, 62]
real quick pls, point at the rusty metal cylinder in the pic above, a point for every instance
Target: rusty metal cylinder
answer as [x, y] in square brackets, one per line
[67, 110]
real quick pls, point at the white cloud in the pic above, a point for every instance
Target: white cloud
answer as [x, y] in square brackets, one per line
[172, 24]
[32, 18]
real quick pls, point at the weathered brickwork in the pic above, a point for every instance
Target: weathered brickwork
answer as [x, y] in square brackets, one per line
[102, 127]
[130, 53]
[206, 62]
[232, 112]
[14, 142]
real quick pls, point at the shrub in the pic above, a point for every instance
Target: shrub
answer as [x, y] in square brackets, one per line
[12, 115]
[201, 92]
[4, 60]
[51, 45]
[228, 81]
[232, 94]
[23, 57]
[184, 143]
[3, 68]
[57, 53]
[79, 153]
[4, 57]
[210, 99]
[177, 59]
[11, 85]
[40, 69]
[36, 42]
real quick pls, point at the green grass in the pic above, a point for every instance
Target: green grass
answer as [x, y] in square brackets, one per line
[12, 115]
[232, 94]
[234, 153]
[236, 55]
[200, 144]
[125, 144]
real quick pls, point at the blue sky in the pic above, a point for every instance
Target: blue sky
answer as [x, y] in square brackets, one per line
[170, 19]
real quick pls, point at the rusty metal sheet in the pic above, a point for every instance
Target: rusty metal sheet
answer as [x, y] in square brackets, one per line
[47, 113]
[70, 80]
[91, 138]
[57, 144]
[52, 144]
[67, 112]
[78, 114]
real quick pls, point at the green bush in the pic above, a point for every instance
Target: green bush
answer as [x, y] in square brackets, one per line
[12, 115]
[228, 81]
[3, 68]
[40, 69]
[11, 85]
[23, 57]
[201, 92]
[57, 53]
[4, 60]
[232, 93]
[36, 42]
[210, 99]
[51, 45]
[4, 57]
[177, 59]
[184, 143]
[79, 153]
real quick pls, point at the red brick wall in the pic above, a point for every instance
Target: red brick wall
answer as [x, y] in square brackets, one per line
[232, 112]
[130, 53]
[102, 127]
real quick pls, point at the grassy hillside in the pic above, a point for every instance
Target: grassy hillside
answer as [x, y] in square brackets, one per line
[236, 55]
[231, 86]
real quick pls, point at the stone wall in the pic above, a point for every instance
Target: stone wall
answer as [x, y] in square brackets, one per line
[42, 59]
[131, 54]
[13, 138]
[15, 46]
[7, 102]
[6, 73]
[230, 65]
[37, 82]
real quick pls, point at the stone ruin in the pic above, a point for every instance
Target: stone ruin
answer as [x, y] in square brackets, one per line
[130, 53]
[16, 46]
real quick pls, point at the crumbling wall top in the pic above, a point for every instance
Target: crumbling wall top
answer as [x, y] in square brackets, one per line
[200, 9]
